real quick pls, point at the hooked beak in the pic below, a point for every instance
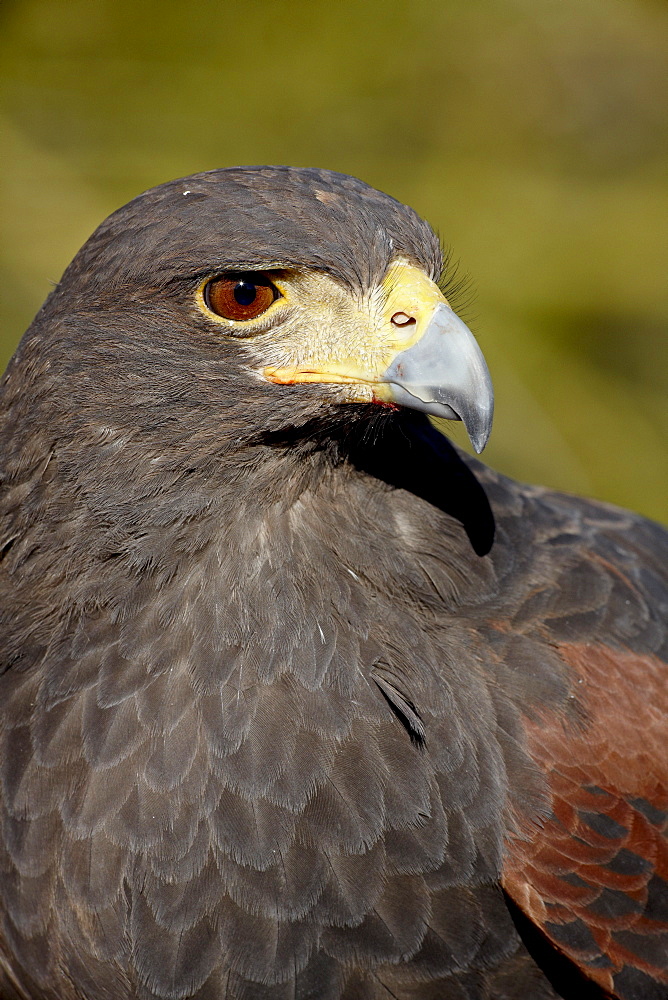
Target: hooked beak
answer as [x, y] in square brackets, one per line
[444, 374]
[406, 347]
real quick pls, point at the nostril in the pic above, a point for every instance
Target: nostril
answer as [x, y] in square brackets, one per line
[402, 319]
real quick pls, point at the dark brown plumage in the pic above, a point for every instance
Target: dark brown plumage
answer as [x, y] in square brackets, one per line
[297, 700]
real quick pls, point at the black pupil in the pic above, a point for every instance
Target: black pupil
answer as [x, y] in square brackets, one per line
[245, 292]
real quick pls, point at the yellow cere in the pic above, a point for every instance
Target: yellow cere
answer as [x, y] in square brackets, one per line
[335, 338]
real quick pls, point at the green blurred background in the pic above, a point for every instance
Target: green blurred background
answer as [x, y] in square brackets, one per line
[531, 133]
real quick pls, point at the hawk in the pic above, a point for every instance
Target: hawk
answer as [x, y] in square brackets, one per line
[297, 701]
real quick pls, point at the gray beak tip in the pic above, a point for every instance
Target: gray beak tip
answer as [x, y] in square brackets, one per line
[478, 421]
[479, 441]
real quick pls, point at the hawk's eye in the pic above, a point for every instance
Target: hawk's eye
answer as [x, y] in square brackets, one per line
[240, 296]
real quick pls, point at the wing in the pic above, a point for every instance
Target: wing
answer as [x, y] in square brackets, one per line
[594, 874]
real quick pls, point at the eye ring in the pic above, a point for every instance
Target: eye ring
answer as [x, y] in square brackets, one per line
[240, 295]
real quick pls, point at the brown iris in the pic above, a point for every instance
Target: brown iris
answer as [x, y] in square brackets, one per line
[239, 296]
